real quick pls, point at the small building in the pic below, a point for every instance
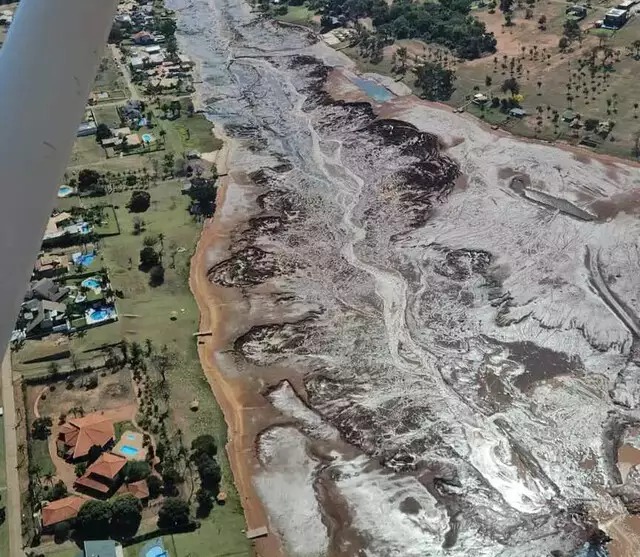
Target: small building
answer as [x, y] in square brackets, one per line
[42, 316]
[626, 4]
[185, 60]
[78, 435]
[136, 63]
[615, 18]
[87, 128]
[103, 477]
[153, 49]
[133, 140]
[140, 490]
[156, 59]
[517, 113]
[46, 289]
[576, 12]
[48, 266]
[102, 548]
[121, 132]
[142, 38]
[480, 98]
[62, 510]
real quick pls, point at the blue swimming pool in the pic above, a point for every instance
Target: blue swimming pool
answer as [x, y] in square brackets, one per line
[97, 315]
[373, 89]
[65, 191]
[92, 282]
[84, 259]
[147, 137]
[154, 548]
[128, 450]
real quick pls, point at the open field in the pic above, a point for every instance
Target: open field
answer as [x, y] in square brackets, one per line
[300, 15]
[594, 77]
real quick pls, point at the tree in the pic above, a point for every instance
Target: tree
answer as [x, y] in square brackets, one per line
[140, 201]
[61, 532]
[505, 5]
[168, 27]
[148, 258]
[572, 30]
[87, 180]
[172, 46]
[402, 55]
[171, 478]
[209, 472]
[80, 469]
[542, 22]
[435, 81]
[103, 132]
[156, 276]
[204, 498]
[136, 470]
[138, 226]
[634, 49]
[41, 428]
[53, 368]
[173, 514]
[563, 43]
[93, 520]
[126, 514]
[59, 491]
[154, 483]
[203, 193]
[512, 85]
[204, 444]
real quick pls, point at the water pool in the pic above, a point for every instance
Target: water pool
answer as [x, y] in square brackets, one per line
[84, 259]
[147, 137]
[128, 450]
[156, 551]
[98, 315]
[373, 89]
[92, 282]
[65, 191]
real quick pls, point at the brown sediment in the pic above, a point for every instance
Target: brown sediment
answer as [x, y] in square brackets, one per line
[245, 412]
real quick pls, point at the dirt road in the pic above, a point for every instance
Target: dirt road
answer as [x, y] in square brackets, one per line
[11, 460]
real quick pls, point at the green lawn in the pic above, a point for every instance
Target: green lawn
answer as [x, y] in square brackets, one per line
[86, 151]
[121, 427]
[40, 456]
[107, 115]
[187, 133]
[301, 15]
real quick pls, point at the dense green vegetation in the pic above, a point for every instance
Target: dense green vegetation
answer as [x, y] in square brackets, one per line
[447, 22]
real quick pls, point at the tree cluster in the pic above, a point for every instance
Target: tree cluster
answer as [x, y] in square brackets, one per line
[435, 81]
[447, 22]
[203, 454]
[118, 518]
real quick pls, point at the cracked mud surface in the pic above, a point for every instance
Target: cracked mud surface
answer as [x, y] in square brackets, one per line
[462, 353]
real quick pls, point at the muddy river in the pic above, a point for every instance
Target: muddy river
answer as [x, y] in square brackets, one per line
[442, 359]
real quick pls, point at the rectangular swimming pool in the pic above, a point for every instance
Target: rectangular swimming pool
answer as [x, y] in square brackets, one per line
[128, 450]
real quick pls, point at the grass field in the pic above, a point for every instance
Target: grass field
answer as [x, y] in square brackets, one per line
[301, 15]
[166, 315]
[40, 457]
[107, 115]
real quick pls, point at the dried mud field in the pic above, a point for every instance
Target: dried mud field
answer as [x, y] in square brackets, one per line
[425, 332]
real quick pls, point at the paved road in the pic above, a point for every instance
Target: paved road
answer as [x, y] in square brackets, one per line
[11, 455]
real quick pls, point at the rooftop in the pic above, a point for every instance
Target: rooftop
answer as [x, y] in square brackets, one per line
[62, 509]
[82, 433]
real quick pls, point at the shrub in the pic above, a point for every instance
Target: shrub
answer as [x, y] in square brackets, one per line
[174, 513]
[154, 483]
[61, 532]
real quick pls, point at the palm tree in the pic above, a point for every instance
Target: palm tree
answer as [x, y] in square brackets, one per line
[49, 478]
[148, 346]
[402, 58]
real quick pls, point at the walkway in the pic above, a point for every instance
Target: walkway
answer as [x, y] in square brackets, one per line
[14, 517]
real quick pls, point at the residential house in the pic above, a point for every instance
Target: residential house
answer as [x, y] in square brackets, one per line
[62, 510]
[103, 477]
[42, 316]
[63, 223]
[142, 38]
[517, 113]
[154, 49]
[185, 60]
[46, 289]
[51, 266]
[124, 19]
[140, 490]
[102, 548]
[157, 59]
[78, 435]
[131, 111]
[137, 63]
[615, 18]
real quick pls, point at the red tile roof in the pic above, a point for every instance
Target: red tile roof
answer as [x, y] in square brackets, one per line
[62, 509]
[91, 483]
[107, 465]
[137, 489]
[81, 434]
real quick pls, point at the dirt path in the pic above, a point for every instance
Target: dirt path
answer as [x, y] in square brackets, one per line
[11, 460]
[241, 407]
[126, 75]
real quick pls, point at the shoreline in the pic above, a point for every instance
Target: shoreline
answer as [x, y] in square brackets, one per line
[229, 394]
